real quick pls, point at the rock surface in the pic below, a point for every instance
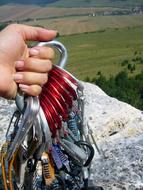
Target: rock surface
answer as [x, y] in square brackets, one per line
[117, 129]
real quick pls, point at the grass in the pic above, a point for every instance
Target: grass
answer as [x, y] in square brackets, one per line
[98, 43]
[102, 51]
[99, 3]
[77, 3]
[81, 24]
[23, 12]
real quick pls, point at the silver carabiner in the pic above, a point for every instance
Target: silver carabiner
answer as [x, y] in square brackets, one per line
[30, 113]
[61, 48]
[62, 62]
[45, 129]
[63, 57]
[77, 153]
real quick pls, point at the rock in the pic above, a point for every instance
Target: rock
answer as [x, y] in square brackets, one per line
[6, 111]
[117, 129]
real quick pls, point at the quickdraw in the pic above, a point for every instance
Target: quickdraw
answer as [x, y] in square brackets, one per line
[45, 145]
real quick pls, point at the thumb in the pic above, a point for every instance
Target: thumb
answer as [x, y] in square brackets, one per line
[35, 33]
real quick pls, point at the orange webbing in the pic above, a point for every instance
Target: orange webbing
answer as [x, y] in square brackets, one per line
[48, 169]
[3, 156]
[7, 180]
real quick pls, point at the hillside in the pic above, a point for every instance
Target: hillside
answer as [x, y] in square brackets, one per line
[77, 3]
[41, 11]
[38, 2]
[98, 3]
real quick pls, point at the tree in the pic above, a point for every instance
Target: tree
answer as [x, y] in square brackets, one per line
[123, 87]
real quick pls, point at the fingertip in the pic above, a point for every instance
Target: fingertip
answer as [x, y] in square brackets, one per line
[33, 90]
[19, 65]
[24, 88]
[34, 33]
[42, 52]
[49, 32]
[33, 52]
[45, 34]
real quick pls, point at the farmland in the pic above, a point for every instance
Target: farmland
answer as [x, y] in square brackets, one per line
[34, 12]
[97, 41]
[81, 24]
[99, 3]
[70, 20]
[76, 3]
[90, 53]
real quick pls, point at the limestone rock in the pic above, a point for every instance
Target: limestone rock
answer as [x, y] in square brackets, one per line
[118, 131]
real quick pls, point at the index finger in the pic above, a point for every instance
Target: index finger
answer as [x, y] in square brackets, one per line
[34, 33]
[42, 52]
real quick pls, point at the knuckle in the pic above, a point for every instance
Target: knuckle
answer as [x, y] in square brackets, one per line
[29, 61]
[44, 78]
[51, 53]
[49, 65]
[35, 90]
[28, 78]
[13, 26]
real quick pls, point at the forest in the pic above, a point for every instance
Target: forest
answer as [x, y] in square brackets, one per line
[122, 86]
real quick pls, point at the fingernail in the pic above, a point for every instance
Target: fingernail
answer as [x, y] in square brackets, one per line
[23, 87]
[19, 64]
[17, 76]
[47, 32]
[34, 51]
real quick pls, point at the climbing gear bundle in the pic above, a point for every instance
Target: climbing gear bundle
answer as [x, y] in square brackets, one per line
[45, 147]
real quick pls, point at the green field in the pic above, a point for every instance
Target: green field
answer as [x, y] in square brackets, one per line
[82, 24]
[77, 3]
[99, 3]
[103, 51]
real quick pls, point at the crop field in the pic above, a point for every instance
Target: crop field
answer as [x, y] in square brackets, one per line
[73, 25]
[103, 51]
[100, 3]
[76, 3]
[23, 12]
[95, 43]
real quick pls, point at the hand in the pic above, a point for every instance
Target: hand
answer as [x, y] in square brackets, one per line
[32, 72]
[13, 48]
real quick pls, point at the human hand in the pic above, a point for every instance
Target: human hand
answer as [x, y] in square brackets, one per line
[13, 48]
[32, 72]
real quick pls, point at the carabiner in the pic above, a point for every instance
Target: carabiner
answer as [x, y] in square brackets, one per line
[61, 48]
[90, 154]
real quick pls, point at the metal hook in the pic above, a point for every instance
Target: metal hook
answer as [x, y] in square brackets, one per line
[61, 48]
[62, 62]
[91, 153]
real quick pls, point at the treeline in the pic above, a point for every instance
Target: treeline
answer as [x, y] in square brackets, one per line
[122, 87]
[3, 25]
[39, 2]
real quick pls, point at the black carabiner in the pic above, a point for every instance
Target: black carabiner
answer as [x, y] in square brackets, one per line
[91, 149]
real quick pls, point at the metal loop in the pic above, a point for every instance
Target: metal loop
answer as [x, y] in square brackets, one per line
[91, 151]
[62, 62]
[61, 48]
